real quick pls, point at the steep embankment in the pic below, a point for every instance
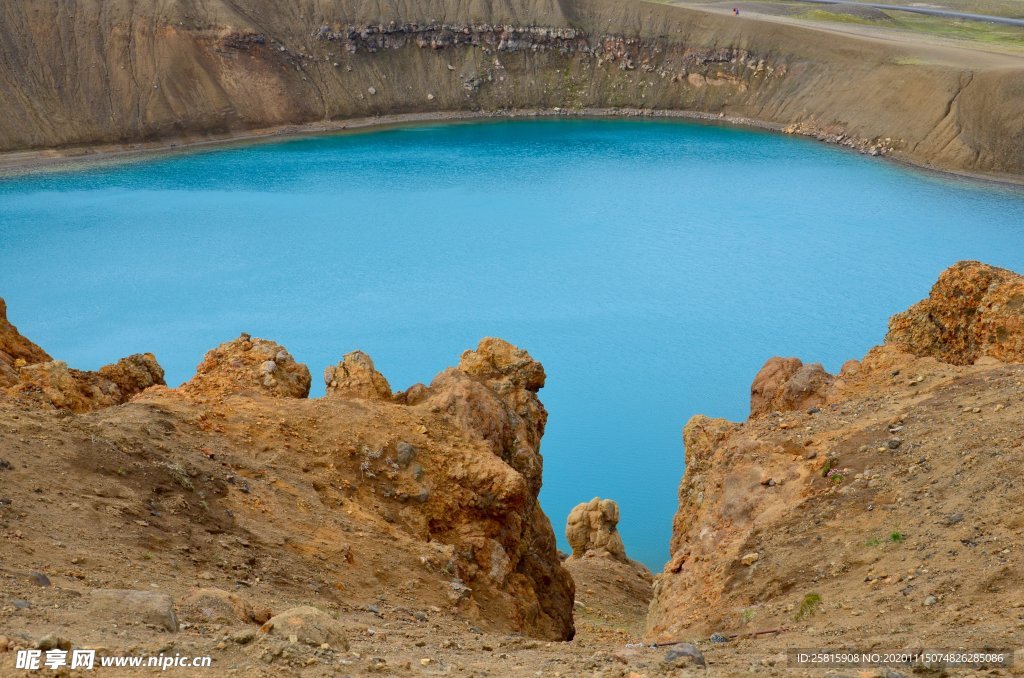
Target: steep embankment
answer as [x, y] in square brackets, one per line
[876, 509]
[121, 72]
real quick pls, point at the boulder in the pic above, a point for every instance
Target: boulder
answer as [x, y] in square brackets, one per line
[786, 384]
[592, 526]
[127, 606]
[212, 605]
[249, 366]
[356, 377]
[973, 310]
[308, 625]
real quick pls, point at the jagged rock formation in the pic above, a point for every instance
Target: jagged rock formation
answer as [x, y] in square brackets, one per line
[871, 505]
[785, 384]
[435, 488]
[59, 386]
[611, 590]
[248, 366]
[15, 350]
[30, 375]
[973, 310]
[356, 377]
[213, 67]
[592, 526]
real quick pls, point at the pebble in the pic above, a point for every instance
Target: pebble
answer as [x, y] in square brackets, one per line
[39, 579]
[930, 600]
[21, 604]
[954, 518]
[52, 642]
[244, 637]
[404, 454]
[750, 558]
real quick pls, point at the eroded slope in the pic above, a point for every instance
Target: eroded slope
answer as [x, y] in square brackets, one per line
[119, 72]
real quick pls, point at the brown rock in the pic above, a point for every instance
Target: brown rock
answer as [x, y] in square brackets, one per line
[493, 395]
[15, 350]
[249, 366]
[592, 526]
[307, 625]
[491, 399]
[761, 504]
[786, 384]
[211, 605]
[55, 384]
[973, 310]
[356, 377]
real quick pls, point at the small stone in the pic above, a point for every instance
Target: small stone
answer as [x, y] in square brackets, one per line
[5, 465]
[719, 638]
[209, 605]
[425, 661]
[39, 579]
[371, 90]
[52, 642]
[430, 97]
[930, 600]
[20, 604]
[750, 558]
[893, 443]
[243, 637]
[954, 518]
[404, 454]
[307, 625]
[683, 654]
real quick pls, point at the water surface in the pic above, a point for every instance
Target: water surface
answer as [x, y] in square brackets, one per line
[651, 266]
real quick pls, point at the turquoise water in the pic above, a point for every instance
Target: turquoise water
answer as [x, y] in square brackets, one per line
[651, 266]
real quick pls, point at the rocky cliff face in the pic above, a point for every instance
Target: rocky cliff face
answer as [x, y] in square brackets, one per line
[353, 499]
[973, 311]
[847, 506]
[15, 350]
[29, 375]
[213, 67]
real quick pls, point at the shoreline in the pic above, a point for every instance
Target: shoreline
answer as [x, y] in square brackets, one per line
[15, 164]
